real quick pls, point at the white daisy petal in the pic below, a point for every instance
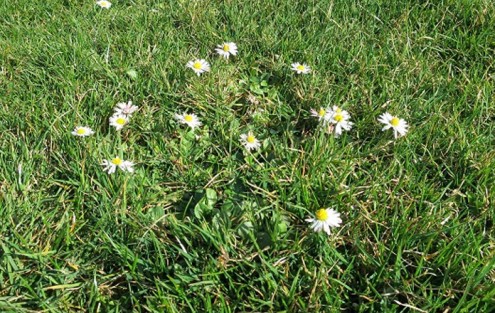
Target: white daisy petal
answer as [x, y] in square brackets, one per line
[316, 226]
[110, 166]
[199, 66]
[82, 131]
[125, 108]
[127, 166]
[104, 4]
[339, 118]
[300, 68]
[226, 49]
[119, 121]
[250, 141]
[399, 125]
[320, 114]
[190, 120]
[325, 220]
[326, 228]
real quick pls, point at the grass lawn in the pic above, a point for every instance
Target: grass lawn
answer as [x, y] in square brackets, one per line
[203, 224]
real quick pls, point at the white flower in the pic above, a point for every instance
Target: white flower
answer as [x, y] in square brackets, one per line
[119, 121]
[397, 124]
[339, 118]
[226, 49]
[125, 108]
[111, 165]
[191, 120]
[324, 220]
[199, 66]
[300, 68]
[250, 142]
[82, 131]
[320, 114]
[104, 4]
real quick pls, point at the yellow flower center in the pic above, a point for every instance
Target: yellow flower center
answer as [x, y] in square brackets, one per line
[81, 131]
[197, 65]
[104, 4]
[321, 215]
[188, 118]
[339, 110]
[120, 121]
[251, 139]
[117, 161]
[338, 117]
[394, 122]
[300, 67]
[321, 113]
[226, 48]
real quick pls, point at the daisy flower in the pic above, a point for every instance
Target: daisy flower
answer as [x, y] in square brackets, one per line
[340, 119]
[125, 108]
[82, 131]
[300, 68]
[199, 66]
[191, 120]
[119, 121]
[397, 124]
[104, 4]
[324, 220]
[110, 166]
[226, 49]
[320, 114]
[250, 142]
